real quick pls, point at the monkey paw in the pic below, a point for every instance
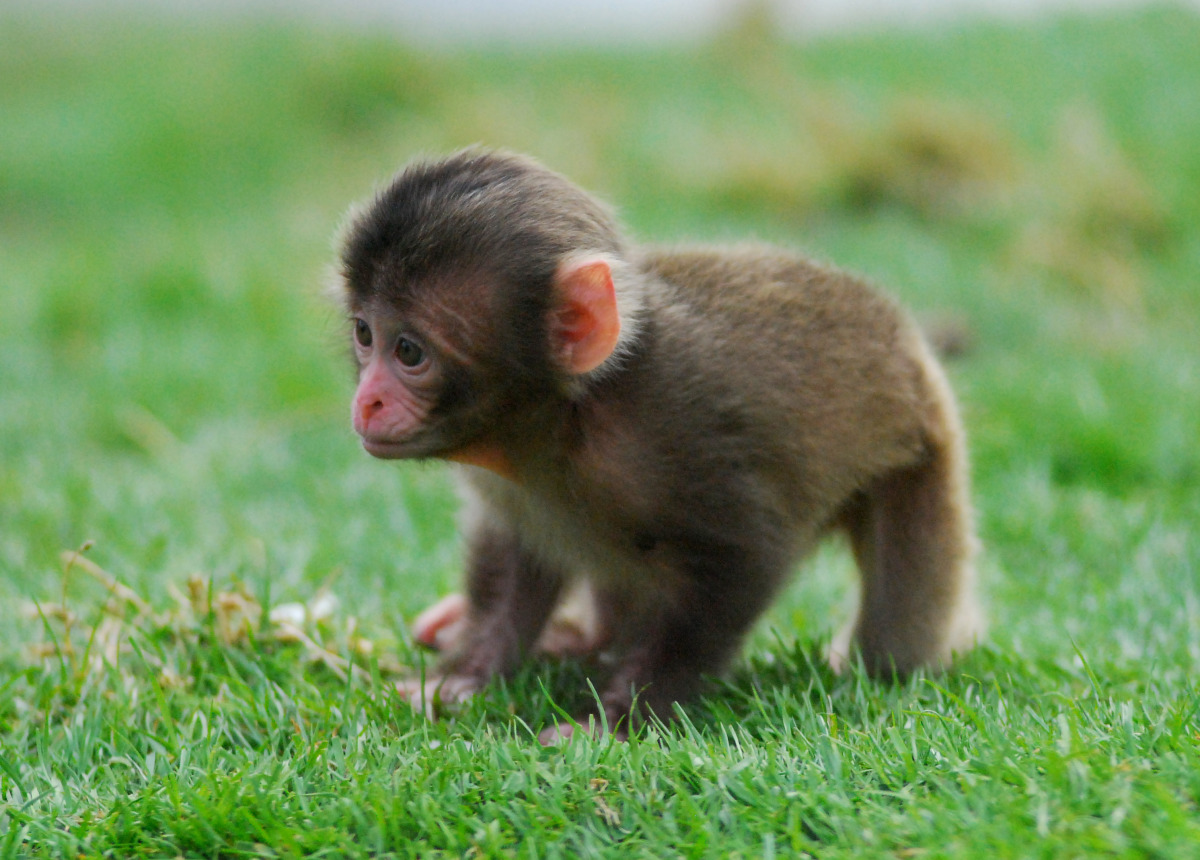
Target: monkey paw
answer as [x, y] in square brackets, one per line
[561, 733]
[441, 625]
[574, 630]
[436, 693]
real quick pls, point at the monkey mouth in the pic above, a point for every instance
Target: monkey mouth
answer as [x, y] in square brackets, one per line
[388, 449]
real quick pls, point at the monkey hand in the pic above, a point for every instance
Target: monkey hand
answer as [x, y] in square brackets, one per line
[434, 693]
[574, 630]
[561, 733]
[441, 625]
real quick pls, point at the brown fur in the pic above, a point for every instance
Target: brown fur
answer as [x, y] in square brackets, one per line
[755, 401]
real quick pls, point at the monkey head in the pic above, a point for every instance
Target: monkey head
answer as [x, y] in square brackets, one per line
[466, 317]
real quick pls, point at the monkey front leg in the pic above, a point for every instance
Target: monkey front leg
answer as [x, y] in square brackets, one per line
[509, 597]
[576, 628]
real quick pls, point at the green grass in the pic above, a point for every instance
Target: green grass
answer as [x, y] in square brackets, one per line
[173, 390]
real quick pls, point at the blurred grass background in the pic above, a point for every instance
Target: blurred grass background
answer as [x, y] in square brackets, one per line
[173, 388]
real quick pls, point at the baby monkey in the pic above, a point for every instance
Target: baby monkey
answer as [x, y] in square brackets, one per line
[676, 428]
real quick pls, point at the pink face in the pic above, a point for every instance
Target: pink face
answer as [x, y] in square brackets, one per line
[397, 383]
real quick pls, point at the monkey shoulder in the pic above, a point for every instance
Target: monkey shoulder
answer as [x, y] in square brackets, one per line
[761, 317]
[761, 286]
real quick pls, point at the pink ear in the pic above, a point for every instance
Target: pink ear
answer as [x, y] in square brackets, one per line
[585, 324]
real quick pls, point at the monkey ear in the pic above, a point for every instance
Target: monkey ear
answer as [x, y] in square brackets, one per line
[585, 324]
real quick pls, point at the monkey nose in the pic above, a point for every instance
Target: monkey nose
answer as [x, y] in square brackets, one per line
[366, 410]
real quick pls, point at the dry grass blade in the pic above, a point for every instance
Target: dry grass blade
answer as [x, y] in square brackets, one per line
[75, 559]
[234, 616]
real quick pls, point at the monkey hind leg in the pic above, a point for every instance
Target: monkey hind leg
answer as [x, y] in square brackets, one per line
[913, 540]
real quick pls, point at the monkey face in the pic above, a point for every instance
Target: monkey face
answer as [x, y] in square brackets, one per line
[429, 385]
[398, 382]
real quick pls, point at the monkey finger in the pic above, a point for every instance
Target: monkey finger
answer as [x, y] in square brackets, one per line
[435, 693]
[561, 733]
[420, 696]
[440, 625]
[446, 638]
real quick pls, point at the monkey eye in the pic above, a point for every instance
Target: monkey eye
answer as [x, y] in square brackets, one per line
[362, 332]
[409, 353]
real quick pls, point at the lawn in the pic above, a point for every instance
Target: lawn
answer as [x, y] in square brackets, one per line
[206, 583]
